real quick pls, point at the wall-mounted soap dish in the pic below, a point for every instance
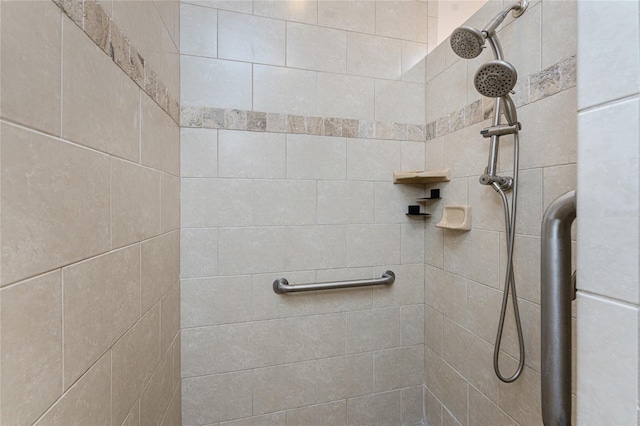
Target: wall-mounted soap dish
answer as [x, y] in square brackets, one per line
[456, 217]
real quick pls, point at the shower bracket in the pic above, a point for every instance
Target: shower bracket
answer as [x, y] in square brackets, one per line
[497, 182]
[501, 130]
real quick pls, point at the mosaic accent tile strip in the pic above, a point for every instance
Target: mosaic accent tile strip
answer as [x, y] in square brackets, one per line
[532, 88]
[90, 17]
[254, 121]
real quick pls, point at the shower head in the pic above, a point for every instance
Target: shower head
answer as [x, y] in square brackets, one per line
[467, 42]
[495, 79]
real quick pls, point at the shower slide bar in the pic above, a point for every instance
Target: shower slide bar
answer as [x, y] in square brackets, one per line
[282, 286]
[556, 293]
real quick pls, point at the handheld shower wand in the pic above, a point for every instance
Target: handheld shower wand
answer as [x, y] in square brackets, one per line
[496, 79]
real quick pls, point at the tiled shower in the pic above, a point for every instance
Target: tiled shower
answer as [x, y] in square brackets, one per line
[164, 162]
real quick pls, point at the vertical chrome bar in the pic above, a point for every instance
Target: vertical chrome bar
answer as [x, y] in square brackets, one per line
[556, 295]
[492, 166]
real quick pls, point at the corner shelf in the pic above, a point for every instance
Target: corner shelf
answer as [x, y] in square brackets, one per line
[418, 214]
[422, 176]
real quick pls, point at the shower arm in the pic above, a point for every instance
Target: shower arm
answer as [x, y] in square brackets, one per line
[518, 9]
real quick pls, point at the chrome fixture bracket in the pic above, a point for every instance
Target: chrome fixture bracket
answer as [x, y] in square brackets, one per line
[500, 130]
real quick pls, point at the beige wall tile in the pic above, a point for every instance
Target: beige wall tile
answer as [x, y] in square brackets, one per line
[243, 6]
[198, 152]
[359, 16]
[133, 418]
[530, 207]
[230, 89]
[483, 412]
[135, 358]
[251, 250]
[316, 336]
[407, 289]
[526, 265]
[198, 253]
[341, 202]
[434, 246]
[401, 19]
[32, 348]
[412, 243]
[334, 413]
[356, 95]
[305, 11]
[284, 90]
[308, 247]
[156, 396]
[87, 401]
[374, 56]
[158, 273]
[199, 30]
[316, 157]
[462, 157]
[474, 255]
[199, 351]
[369, 245]
[316, 48]
[373, 329]
[433, 329]
[412, 402]
[524, 37]
[483, 304]
[251, 154]
[369, 159]
[375, 409]
[446, 92]
[169, 318]
[135, 198]
[344, 299]
[471, 357]
[446, 292]
[344, 376]
[521, 399]
[160, 139]
[400, 101]
[249, 345]
[209, 399]
[251, 38]
[398, 368]
[435, 61]
[432, 409]
[412, 322]
[274, 419]
[447, 385]
[486, 204]
[202, 304]
[170, 203]
[413, 61]
[297, 381]
[216, 202]
[32, 52]
[45, 183]
[101, 302]
[110, 116]
[559, 22]
[413, 155]
[606, 359]
[556, 181]
[391, 201]
[173, 416]
[265, 304]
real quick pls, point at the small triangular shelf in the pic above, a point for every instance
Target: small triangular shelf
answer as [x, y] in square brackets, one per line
[422, 176]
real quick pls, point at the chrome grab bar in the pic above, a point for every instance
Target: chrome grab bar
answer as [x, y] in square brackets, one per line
[555, 311]
[281, 285]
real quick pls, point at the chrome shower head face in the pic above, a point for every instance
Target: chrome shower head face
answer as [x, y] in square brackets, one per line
[467, 42]
[495, 79]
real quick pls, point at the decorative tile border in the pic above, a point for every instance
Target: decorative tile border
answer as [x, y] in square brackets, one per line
[91, 18]
[254, 121]
[549, 81]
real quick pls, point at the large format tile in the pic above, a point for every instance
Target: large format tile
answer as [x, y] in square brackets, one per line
[373, 330]
[31, 54]
[32, 348]
[87, 400]
[45, 184]
[355, 95]
[135, 358]
[159, 139]
[316, 157]
[284, 90]
[135, 203]
[199, 31]
[358, 16]
[305, 11]
[251, 154]
[295, 381]
[101, 302]
[251, 39]
[103, 116]
[334, 413]
[398, 368]
[198, 152]
[447, 385]
[198, 253]
[373, 56]
[376, 409]
[369, 159]
[402, 19]
[371, 245]
[400, 101]
[215, 83]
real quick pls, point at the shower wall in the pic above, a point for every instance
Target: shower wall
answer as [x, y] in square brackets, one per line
[294, 116]
[464, 271]
[608, 202]
[90, 213]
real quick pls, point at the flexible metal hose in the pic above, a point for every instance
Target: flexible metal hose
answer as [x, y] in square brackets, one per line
[510, 281]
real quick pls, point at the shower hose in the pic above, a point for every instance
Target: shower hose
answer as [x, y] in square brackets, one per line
[510, 281]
